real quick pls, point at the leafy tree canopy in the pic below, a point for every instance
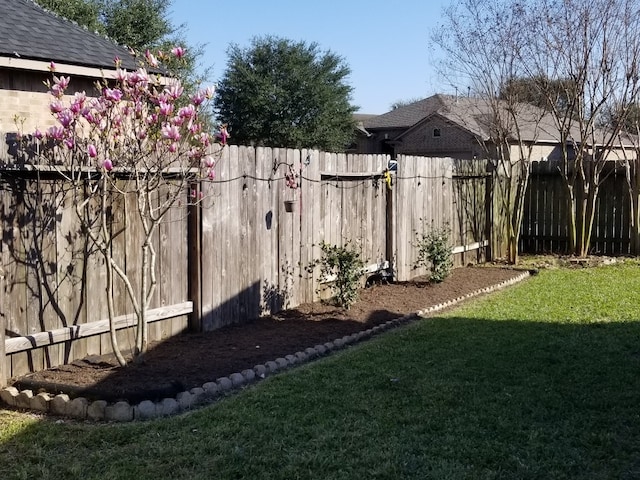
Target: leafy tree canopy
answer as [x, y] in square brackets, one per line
[84, 12]
[138, 24]
[549, 95]
[282, 93]
[627, 117]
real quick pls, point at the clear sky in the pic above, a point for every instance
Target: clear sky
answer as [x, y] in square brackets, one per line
[384, 42]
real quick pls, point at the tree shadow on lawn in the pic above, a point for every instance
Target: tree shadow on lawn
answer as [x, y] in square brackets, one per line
[473, 396]
[190, 360]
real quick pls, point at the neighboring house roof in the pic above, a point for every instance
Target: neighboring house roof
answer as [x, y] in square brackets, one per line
[407, 115]
[474, 115]
[362, 117]
[28, 32]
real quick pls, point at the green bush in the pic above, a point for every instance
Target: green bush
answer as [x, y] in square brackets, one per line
[435, 252]
[345, 263]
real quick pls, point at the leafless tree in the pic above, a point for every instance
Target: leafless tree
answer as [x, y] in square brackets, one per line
[483, 44]
[595, 44]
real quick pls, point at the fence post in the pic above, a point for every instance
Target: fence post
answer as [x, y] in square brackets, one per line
[390, 227]
[194, 253]
[490, 233]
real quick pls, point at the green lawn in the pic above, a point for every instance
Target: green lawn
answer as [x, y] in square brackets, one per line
[541, 381]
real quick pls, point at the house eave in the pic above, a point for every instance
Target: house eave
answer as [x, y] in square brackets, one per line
[62, 68]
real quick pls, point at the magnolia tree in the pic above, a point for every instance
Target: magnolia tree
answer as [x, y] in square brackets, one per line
[140, 141]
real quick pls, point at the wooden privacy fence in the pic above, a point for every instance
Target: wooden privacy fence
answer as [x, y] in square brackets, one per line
[256, 257]
[545, 225]
[247, 249]
[53, 305]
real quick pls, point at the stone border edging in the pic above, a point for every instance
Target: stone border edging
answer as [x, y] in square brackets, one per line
[82, 409]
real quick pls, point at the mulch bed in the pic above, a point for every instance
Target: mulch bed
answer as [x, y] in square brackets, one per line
[190, 360]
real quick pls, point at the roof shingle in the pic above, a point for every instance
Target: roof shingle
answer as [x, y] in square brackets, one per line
[28, 31]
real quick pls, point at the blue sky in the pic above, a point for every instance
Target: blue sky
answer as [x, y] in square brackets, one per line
[385, 43]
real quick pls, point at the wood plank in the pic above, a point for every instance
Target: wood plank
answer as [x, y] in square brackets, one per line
[16, 321]
[178, 261]
[194, 252]
[271, 159]
[5, 365]
[74, 332]
[209, 249]
[263, 223]
[294, 156]
[34, 234]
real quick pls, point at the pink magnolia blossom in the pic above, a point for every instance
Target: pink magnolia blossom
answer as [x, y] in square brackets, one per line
[166, 109]
[187, 112]
[52, 67]
[121, 75]
[60, 85]
[178, 52]
[211, 174]
[113, 94]
[139, 77]
[204, 139]
[171, 132]
[107, 165]
[175, 91]
[69, 143]
[65, 117]
[223, 134]
[198, 98]
[55, 133]
[78, 102]
[151, 59]
[209, 162]
[56, 106]
[38, 134]
[90, 117]
[92, 151]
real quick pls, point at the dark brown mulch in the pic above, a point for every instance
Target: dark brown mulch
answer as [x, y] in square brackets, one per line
[190, 360]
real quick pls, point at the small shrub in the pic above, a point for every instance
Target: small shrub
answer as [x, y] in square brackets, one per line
[345, 263]
[435, 253]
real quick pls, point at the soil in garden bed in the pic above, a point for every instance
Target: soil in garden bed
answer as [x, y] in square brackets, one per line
[190, 360]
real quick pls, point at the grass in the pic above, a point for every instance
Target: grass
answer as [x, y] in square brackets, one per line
[540, 381]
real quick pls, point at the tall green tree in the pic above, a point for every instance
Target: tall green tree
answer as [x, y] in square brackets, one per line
[138, 24]
[543, 92]
[84, 12]
[282, 93]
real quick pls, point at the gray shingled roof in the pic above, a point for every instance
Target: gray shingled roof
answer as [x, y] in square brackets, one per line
[474, 115]
[30, 32]
[407, 115]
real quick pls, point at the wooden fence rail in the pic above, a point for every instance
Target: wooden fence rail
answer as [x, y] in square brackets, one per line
[248, 249]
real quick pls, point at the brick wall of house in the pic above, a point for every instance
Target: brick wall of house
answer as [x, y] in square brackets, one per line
[451, 142]
[24, 94]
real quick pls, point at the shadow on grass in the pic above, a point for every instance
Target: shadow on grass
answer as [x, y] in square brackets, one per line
[189, 360]
[446, 397]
